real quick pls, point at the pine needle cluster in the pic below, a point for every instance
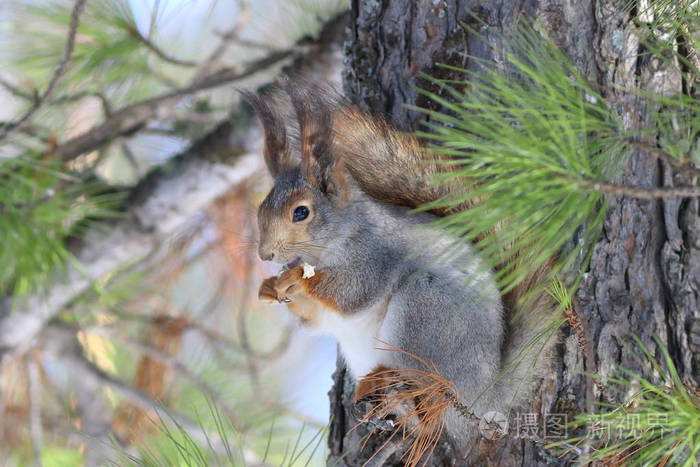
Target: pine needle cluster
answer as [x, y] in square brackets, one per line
[41, 206]
[527, 140]
[658, 424]
[539, 150]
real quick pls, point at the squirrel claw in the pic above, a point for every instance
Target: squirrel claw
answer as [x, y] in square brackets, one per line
[288, 284]
[282, 288]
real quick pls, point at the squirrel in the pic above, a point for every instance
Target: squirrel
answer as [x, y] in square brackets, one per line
[343, 196]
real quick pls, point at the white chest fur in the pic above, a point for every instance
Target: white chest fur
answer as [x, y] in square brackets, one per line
[358, 337]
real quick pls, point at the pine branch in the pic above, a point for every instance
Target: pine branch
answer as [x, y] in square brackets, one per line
[134, 32]
[163, 202]
[643, 192]
[6, 131]
[134, 117]
[682, 165]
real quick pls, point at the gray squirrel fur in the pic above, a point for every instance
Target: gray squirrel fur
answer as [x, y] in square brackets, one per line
[389, 274]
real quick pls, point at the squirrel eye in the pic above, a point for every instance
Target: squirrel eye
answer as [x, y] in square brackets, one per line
[300, 213]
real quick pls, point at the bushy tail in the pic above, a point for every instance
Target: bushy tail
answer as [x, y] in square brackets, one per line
[390, 166]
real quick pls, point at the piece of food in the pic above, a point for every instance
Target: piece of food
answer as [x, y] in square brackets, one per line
[309, 271]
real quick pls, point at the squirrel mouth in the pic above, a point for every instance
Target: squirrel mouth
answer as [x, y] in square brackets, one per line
[292, 264]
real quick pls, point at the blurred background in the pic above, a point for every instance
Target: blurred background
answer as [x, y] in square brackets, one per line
[130, 332]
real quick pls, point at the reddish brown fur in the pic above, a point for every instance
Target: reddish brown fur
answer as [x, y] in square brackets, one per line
[303, 293]
[373, 382]
[310, 287]
[420, 397]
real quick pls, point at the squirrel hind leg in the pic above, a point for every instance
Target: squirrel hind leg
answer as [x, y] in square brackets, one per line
[373, 383]
[409, 402]
[381, 399]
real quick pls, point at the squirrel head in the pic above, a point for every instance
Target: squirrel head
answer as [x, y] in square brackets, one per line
[302, 214]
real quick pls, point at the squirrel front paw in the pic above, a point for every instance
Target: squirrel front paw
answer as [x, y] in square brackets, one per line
[267, 291]
[289, 284]
[282, 288]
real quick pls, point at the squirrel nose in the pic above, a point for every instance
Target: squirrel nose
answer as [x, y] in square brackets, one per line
[266, 255]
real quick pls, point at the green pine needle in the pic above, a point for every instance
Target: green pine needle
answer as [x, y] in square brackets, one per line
[659, 424]
[40, 208]
[528, 143]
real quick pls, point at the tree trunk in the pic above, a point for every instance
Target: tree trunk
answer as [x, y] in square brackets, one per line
[645, 271]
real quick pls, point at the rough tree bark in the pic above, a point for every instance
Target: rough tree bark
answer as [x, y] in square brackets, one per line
[645, 272]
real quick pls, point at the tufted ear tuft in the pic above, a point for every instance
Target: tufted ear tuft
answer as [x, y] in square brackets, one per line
[276, 152]
[320, 166]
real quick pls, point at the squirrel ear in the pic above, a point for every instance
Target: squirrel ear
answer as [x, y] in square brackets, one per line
[319, 165]
[276, 152]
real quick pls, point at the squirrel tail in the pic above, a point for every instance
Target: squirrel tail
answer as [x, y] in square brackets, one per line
[528, 353]
[391, 166]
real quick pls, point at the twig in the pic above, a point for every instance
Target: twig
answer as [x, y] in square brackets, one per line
[64, 99]
[18, 92]
[141, 400]
[60, 344]
[31, 130]
[177, 365]
[132, 159]
[226, 40]
[160, 52]
[252, 44]
[69, 98]
[684, 165]
[35, 426]
[191, 325]
[57, 75]
[692, 55]
[644, 192]
[164, 79]
[134, 117]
